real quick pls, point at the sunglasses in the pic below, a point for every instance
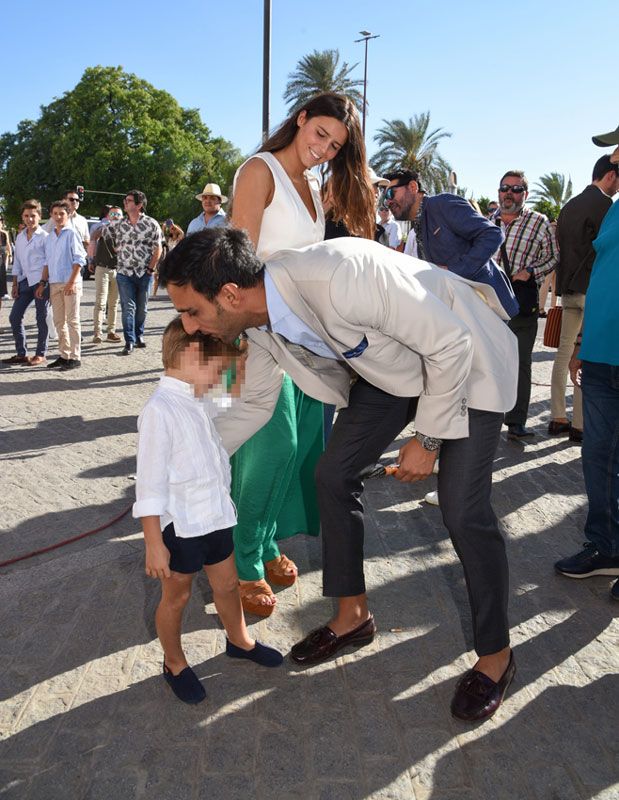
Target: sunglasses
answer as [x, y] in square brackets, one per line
[116, 215]
[73, 199]
[390, 192]
[505, 187]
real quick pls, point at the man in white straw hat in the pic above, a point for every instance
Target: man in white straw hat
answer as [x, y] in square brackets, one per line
[212, 215]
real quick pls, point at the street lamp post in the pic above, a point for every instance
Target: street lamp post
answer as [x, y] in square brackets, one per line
[266, 69]
[366, 38]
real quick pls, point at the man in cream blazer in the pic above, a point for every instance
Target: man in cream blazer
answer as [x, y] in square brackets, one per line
[387, 339]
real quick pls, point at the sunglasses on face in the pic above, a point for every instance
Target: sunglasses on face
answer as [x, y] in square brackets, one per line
[390, 192]
[116, 215]
[505, 187]
[73, 199]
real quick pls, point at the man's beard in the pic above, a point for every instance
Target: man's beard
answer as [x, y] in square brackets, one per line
[403, 213]
[515, 208]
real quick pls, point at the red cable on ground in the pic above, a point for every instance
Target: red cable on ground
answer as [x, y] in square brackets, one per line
[65, 541]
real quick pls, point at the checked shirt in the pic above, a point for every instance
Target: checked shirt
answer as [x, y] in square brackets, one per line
[531, 245]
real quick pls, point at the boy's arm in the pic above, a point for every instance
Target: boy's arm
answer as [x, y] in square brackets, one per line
[69, 287]
[157, 563]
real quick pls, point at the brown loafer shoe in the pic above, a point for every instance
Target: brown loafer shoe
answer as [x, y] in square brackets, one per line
[113, 337]
[15, 360]
[323, 643]
[35, 361]
[477, 696]
[558, 428]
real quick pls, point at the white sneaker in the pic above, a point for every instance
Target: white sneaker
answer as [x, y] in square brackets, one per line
[432, 498]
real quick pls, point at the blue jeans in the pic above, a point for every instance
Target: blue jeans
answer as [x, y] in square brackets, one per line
[16, 318]
[133, 293]
[600, 454]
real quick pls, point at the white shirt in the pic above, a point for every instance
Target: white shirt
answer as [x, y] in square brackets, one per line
[410, 248]
[183, 473]
[30, 258]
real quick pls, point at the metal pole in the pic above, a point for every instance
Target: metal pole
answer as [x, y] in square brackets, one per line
[366, 38]
[266, 69]
[365, 84]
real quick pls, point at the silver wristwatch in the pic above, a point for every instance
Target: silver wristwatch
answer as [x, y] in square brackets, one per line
[428, 442]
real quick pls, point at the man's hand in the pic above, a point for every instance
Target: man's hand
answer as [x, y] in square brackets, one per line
[69, 288]
[15, 290]
[416, 462]
[38, 292]
[157, 561]
[521, 275]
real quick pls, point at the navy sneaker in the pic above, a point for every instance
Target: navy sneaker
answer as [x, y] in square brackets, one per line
[614, 590]
[259, 654]
[185, 685]
[587, 563]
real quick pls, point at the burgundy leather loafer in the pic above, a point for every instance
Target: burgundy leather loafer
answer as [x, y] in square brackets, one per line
[477, 696]
[323, 643]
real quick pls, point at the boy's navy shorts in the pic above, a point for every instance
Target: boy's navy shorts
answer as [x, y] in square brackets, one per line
[190, 555]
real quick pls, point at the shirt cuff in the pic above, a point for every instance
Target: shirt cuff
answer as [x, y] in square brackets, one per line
[151, 507]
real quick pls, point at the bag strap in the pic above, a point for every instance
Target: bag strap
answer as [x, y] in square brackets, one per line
[504, 257]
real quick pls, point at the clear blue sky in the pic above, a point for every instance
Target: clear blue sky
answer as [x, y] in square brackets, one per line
[520, 85]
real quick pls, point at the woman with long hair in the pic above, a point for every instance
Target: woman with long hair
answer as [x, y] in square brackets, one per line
[277, 199]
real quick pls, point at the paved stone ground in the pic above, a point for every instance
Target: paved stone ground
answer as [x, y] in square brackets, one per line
[84, 712]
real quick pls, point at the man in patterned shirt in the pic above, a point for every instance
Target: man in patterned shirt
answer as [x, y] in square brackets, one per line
[137, 242]
[528, 254]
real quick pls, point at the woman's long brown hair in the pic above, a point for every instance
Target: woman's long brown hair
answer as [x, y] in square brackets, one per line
[350, 190]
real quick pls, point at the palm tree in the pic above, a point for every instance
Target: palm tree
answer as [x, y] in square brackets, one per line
[411, 145]
[320, 72]
[552, 187]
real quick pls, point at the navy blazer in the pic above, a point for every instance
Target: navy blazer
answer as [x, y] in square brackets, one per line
[455, 236]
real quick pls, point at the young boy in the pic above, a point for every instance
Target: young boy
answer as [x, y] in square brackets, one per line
[64, 258]
[28, 263]
[183, 501]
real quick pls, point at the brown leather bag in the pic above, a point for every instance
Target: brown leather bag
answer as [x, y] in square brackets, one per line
[552, 331]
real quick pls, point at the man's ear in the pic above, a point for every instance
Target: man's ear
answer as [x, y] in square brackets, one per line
[230, 295]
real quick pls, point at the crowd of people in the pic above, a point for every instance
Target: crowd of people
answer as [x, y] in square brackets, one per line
[306, 297]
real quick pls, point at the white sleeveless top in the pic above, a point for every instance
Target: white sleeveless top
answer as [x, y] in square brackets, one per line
[286, 221]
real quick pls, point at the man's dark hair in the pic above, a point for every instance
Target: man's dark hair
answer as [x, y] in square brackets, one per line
[602, 166]
[516, 173]
[139, 198]
[404, 176]
[105, 210]
[208, 260]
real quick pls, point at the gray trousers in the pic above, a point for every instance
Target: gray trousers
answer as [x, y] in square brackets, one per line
[525, 329]
[360, 435]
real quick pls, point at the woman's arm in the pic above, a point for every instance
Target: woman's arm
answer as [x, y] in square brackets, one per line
[253, 192]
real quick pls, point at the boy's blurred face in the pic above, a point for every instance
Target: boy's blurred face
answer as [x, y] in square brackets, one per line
[60, 217]
[203, 373]
[31, 218]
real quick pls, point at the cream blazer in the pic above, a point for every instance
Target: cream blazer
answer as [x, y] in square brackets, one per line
[429, 334]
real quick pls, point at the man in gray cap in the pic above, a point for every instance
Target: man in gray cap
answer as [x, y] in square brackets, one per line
[212, 216]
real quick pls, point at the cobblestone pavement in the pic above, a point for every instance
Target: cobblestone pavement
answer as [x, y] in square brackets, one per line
[84, 712]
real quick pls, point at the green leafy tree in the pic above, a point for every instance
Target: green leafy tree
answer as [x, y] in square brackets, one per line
[111, 133]
[547, 207]
[483, 204]
[319, 72]
[553, 188]
[412, 145]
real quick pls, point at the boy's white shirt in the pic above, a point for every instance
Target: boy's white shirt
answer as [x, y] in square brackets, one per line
[183, 472]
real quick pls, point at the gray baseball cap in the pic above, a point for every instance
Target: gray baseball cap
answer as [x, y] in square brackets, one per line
[606, 139]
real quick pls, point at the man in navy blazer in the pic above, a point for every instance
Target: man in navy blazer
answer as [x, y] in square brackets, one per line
[451, 234]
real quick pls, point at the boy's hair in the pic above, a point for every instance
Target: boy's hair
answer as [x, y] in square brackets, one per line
[60, 204]
[30, 204]
[176, 339]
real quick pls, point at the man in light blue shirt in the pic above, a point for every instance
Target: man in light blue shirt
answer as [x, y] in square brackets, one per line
[212, 216]
[64, 256]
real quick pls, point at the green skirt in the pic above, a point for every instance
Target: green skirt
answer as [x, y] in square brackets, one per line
[273, 483]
